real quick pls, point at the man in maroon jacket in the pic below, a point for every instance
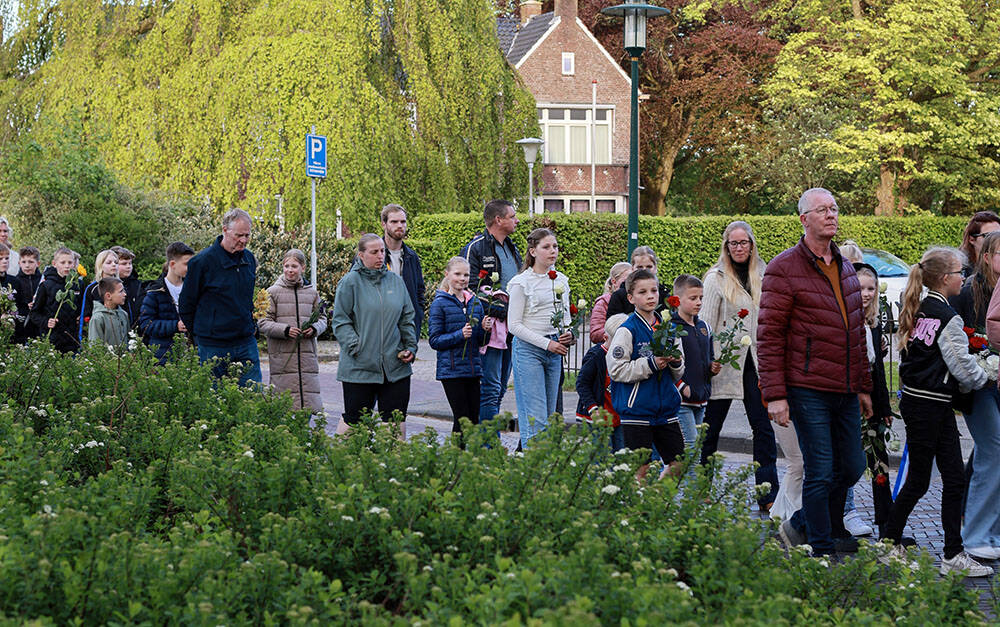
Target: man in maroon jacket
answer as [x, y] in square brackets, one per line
[814, 370]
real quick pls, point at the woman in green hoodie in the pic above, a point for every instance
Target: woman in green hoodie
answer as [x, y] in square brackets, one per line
[373, 322]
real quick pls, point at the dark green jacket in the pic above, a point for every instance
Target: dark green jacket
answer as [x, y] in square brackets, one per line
[373, 321]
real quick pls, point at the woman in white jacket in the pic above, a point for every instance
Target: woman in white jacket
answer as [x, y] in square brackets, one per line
[731, 286]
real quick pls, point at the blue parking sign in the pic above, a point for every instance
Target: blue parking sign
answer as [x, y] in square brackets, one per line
[316, 156]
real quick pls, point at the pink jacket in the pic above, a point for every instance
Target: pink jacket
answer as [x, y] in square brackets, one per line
[993, 319]
[598, 316]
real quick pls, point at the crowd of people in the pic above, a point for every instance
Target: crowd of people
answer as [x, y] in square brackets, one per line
[804, 352]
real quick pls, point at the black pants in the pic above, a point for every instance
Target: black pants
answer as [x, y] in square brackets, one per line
[765, 449]
[386, 396]
[931, 433]
[463, 396]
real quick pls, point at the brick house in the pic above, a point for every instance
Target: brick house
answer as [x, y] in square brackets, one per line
[584, 161]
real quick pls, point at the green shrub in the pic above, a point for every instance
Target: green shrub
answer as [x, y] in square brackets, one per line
[136, 493]
[590, 244]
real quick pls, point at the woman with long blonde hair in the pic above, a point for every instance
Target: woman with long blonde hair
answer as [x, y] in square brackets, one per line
[732, 286]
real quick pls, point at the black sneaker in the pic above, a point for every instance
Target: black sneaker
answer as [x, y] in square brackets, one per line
[845, 545]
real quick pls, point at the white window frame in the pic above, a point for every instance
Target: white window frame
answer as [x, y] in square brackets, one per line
[571, 58]
[566, 122]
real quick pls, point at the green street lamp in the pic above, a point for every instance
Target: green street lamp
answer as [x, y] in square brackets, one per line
[635, 13]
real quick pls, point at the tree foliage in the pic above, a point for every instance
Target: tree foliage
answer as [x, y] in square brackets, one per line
[214, 98]
[918, 83]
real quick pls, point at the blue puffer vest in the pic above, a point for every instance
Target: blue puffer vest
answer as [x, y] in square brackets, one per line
[456, 356]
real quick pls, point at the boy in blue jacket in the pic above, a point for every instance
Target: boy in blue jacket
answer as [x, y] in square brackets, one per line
[644, 396]
[158, 318]
[699, 361]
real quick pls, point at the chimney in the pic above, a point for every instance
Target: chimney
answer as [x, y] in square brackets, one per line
[529, 9]
[566, 9]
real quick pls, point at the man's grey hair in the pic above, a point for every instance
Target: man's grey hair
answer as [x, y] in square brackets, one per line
[233, 215]
[805, 200]
[3, 220]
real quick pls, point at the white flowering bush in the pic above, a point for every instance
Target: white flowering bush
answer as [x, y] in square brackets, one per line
[137, 493]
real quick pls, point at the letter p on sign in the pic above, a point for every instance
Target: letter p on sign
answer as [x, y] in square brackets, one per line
[316, 156]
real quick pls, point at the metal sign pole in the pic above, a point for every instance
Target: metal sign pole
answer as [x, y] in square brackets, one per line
[312, 274]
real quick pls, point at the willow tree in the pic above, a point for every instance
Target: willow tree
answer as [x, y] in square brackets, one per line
[215, 97]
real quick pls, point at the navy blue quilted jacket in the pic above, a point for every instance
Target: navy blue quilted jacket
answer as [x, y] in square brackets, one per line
[444, 329]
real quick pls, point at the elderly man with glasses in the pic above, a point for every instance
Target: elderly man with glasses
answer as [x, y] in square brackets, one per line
[814, 370]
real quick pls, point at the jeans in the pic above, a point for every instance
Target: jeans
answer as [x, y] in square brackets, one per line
[689, 418]
[931, 432]
[244, 353]
[496, 374]
[828, 426]
[765, 450]
[536, 383]
[982, 509]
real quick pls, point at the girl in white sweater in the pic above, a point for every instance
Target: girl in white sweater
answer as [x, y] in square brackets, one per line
[536, 295]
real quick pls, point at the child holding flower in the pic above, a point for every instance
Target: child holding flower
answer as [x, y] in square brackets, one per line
[643, 394]
[293, 321]
[538, 295]
[58, 300]
[456, 328]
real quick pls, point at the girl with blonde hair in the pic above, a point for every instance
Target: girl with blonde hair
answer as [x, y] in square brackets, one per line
[599, 314]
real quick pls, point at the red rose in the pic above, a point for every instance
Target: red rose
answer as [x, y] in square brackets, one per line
[977, 342]
[674, 302]
[881, 479]
[86, 319]
[573, 310]
[552, 275]
[742, 313]
[483, 274]
[969, 331]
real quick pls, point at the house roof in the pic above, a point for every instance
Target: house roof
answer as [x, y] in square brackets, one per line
[506, 31]
[529, 35]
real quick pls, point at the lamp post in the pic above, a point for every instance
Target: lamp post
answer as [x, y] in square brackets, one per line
[635, 13]
[530, 145]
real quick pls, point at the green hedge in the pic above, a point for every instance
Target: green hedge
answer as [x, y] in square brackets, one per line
[590, 244]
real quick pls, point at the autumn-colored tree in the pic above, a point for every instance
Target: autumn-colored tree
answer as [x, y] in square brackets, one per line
[702, 71]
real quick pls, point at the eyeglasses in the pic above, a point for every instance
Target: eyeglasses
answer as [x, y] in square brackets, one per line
[973, 236]
[824, 211]
[954, 272]
[742, 243]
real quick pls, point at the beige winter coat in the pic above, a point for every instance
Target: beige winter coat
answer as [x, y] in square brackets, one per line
[717, 311]
[293, 367]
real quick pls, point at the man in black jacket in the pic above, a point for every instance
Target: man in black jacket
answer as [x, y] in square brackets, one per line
[402, 259]
[494, 253]
[216, 302]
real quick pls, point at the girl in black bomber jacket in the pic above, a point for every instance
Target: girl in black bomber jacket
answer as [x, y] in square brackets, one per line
[935, 364]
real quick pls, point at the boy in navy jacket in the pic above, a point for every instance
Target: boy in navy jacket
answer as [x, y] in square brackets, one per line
[159, 321]
[643, 394]
[699, 361]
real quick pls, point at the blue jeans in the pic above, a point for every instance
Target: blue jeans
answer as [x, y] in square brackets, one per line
[496, 374]
[245, 353]
[689, 419]
[828, 426]
[982, 507]
[536, 383]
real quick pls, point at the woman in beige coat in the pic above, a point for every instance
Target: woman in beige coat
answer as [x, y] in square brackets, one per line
[292, 361]
[732, 285]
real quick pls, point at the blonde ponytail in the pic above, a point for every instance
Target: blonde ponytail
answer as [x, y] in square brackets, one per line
[929, 273]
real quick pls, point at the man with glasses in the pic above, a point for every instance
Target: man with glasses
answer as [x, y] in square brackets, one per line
[814, 370]
[216, 302]
[494, 253]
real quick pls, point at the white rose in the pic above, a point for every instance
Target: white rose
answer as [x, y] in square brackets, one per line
[580, 304]
[745, 340]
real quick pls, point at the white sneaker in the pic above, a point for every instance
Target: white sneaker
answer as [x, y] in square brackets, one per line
[856, 526]
[898, 554]
[984, 552]
[962, 562]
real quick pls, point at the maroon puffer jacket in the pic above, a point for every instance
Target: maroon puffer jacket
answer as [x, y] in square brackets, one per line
[801, 339]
